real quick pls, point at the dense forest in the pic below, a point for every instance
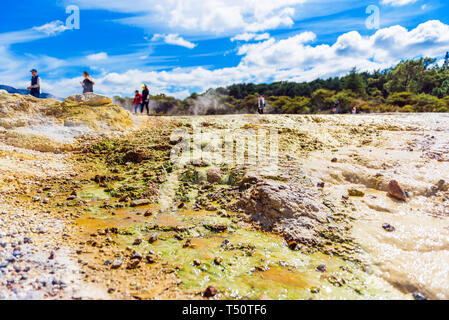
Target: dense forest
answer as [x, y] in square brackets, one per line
[411, 86]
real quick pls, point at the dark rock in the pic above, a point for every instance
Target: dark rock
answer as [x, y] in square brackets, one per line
[294, 211]
[181, 205]
[188, 244]
[223, 213]
[225, 243]
[388, 227]
[395, 191]
[216, 227]
[293, 245]
[148, 213]
[315, 290]
[442, 185]
[136, 256]
[218, 260]
[211, 208]
[345, 197]
[140, 202]
[261, 268]
[52, 255]
[320, 185]
[151, 258]
[178, 237]
[133, 264]
[124, 198]
[136, 156]
[116, 264]
[153, 238]
[321, 268]
[249, 179]
[334, 160]
[17, 253]
[213, 175]
[210, 292]
[196, 263]
[355, 193]
[419, 296]
[137, 242]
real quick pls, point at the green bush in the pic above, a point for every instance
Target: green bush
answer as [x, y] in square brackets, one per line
[322, 99]
[427, 103]
[407, 108]
[401, 98]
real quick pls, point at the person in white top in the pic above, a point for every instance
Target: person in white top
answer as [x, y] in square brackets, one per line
[261, 103]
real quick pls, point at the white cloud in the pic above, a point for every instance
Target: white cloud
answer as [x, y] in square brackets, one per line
[97, 56]
[174, 39]
[52, 28]
[47, 30]
[398, 3]
[251, 36]
[199, 16]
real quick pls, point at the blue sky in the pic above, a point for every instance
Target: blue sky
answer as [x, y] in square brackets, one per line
[182, 46]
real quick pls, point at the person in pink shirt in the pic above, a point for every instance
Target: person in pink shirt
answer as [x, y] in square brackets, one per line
[137, 101]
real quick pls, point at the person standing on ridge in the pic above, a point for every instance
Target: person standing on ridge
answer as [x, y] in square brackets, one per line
[261, 103]
[137, 101]
[35, 88]
[336, 109]
[87, 83]
[145, 99]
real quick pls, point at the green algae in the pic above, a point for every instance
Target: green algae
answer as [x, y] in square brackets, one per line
[251, 264]
[93, 193]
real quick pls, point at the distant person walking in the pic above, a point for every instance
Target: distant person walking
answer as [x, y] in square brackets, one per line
[354, 110]
[261, 103]
[87, 83]
[336, 109]
[137, 101]
[35, 88]
[145, 99]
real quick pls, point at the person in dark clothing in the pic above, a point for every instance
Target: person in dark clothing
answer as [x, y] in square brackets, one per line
[336, 109]
[87, 83]
[35, 88]
[145, 99]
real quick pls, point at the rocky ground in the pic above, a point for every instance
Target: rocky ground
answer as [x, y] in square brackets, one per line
[94, 207]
